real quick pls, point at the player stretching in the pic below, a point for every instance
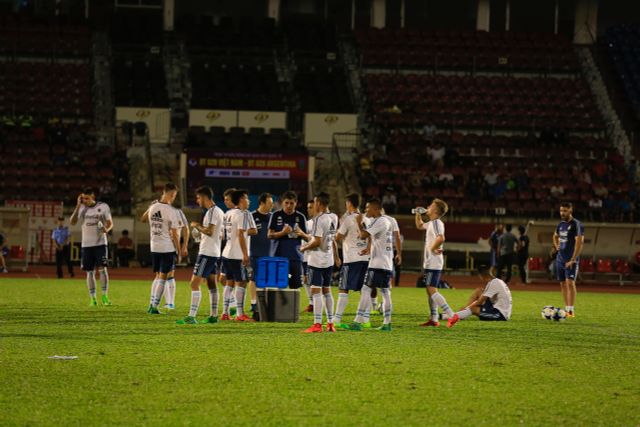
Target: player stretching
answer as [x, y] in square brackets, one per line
[568, 240]
[380, 268]
[433, 259]
[355, 256]
[165, 242]
[260, 243]
[238, 223]
[208, 254]
[323, 255]
[96, 221]
[490, 302]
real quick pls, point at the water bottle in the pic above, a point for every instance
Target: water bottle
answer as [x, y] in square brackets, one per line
[196, 235]
[249, 271]
[419, 210]
[100, 228]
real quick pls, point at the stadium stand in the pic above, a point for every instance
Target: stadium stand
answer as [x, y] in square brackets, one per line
[622, 43]
[139, 80]
[255, 139]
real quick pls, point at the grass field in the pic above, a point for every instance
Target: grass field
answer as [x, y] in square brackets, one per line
[137, 369]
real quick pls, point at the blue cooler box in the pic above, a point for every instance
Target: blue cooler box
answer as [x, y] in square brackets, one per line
[272, 272]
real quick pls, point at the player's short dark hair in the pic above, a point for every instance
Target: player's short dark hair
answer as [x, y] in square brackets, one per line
[354, 199]
[483, 269]
[508, 227]
[289, 195]
[125, 232]
[228, 192]
[236, 195]
[522, 229]
[205, 191]
[567, 205]
[263, 197]
[170, 186]
[90, 190]
[375, 201]
[323, 198]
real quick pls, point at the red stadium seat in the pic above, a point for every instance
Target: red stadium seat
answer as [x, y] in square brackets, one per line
[604, 265]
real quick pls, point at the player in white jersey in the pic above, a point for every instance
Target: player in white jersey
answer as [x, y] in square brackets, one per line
[228, 300]
[433, 258]
[355, 257]
[164, 226]
[96, 221]
[239, 225]
[397, 249]
[305, 256]
[490, 302]
[380, 267]
[170, 286]
[323, 255]
[208, 255]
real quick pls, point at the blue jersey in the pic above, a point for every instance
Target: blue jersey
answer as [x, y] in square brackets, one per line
[260, 243]
[287, 246]
[60, 235]
[567, 232]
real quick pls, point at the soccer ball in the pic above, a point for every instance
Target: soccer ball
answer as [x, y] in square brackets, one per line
[548, 312]
[559, 315]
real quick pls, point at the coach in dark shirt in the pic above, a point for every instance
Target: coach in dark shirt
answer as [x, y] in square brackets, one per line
[506, 253]
[523, 253]
[286, 242]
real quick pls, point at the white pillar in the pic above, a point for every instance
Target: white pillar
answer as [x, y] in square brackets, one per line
[507, 16]
[273, 9]
[586, 22]
[169, 14]
[378, 13]
[484, 15]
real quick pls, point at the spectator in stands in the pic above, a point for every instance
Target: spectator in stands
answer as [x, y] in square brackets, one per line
[523, 253]
[429, 131]
[507, 244]
[124, 249]
[600, 190]
[585, 176]
[61, 238]
[437, 153]
[595, 208]
[3, 262]
[445, 178]
[389, 201]
[557, 190]
[491, 178]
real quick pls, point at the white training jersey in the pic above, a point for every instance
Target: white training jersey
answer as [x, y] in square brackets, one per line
[500, 295]
[352, 244]
[182, 218]
[162, 219]
[210, 245]
[325, 226]
[434, 229]
[381, 233]
[236, 224]
[90, 217]
[305, 255]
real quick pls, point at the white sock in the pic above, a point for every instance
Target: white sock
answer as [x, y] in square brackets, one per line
[464, 314]
[328, 306]
[240, 292]
[386, 305]
[170, 291]
[374, 303]
[343, 299]
[233, 302]
[157, 296]
[433, 309]
[226, 299]
[154, 284]
[308, 289]
[254, 301]
[213, 302]
[195, 303]
[439, 300]
[91, 283]
[317, 308]
[104, 281]
[364, 305]
[568, 308]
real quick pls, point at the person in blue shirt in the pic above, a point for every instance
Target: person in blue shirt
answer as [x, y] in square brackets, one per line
[568, 240]
[260, 243]
[61, 237]
[286, 242]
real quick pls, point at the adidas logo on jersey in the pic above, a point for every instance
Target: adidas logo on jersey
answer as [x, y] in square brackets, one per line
[157, 216]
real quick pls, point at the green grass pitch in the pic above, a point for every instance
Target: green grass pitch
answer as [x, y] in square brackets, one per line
[138, 369]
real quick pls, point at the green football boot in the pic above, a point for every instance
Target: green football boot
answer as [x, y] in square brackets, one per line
[343, 326]
[187, 320]
[385, 328]
[355, 326]
[154, 310]
[366, 325]
[93, 302]
[233, 311]
[210, 319]
[106, 300]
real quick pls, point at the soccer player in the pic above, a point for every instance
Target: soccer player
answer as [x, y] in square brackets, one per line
[96, 221]
[228, 301]
[238, 222]
[493, 243]
[61, 238]
[305, 257]
[490, 302]
[260, 243]
[323, 255]
[165, 241]
[397, 250]
[523, 253]
[170, 294]
[286, 241]
[208, 254]
[380, 267]
[355, 257]
[568, 240]
[433, 259]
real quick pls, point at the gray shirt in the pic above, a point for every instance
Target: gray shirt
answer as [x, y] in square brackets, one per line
[507, 242]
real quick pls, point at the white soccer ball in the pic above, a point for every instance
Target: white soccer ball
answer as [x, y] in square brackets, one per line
[559, 315]
[548, 312]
